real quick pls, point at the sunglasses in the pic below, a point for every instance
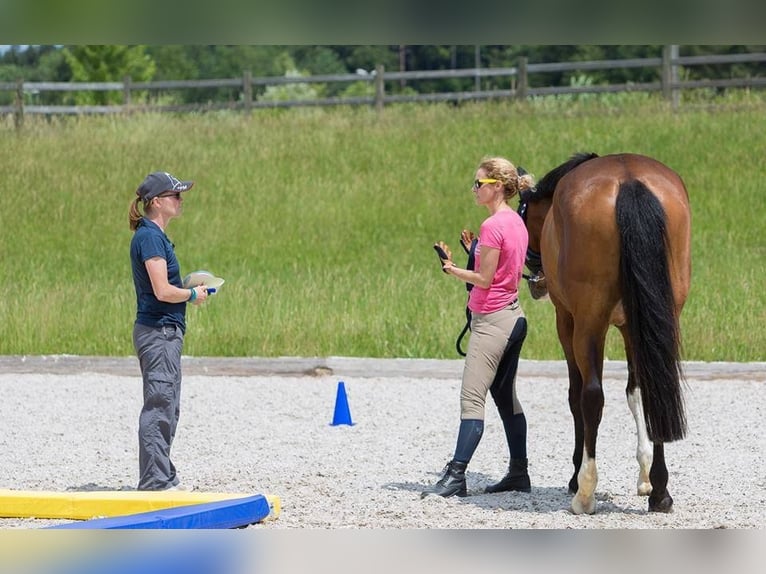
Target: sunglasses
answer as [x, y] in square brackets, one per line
[176, 195]
[477, 183]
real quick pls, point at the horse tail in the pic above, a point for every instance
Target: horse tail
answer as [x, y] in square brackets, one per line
[647, 298]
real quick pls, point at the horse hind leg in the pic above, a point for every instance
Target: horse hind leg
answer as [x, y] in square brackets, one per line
[584, 500]
[653, 473]
[589, 350]
[660, 499]
[588, 340]
[586, 401]
[644, 445]
[565, 326]
[575, 401]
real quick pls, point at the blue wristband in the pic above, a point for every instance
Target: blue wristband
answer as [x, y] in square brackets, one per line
[193, 295]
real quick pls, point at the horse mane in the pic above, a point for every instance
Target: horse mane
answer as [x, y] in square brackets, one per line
[547, 185]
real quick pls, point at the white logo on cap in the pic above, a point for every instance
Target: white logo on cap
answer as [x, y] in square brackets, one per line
[177, 185]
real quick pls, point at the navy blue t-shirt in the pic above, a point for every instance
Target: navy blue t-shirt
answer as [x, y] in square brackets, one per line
[150, 241]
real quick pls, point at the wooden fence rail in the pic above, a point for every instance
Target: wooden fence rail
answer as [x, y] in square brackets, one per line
[516, 79]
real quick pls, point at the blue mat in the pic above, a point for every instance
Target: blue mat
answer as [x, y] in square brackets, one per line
[233, 513]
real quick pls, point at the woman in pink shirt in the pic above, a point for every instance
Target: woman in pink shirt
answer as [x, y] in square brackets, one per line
[498, 329]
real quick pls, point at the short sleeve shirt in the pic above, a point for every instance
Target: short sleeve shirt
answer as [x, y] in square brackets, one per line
[505, 231]
[150, 241]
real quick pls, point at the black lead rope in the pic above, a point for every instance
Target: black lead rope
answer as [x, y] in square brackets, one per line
[468, 286]
[463, 332]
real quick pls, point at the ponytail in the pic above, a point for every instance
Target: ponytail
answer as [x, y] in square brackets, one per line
[134, 216]
[525, 182]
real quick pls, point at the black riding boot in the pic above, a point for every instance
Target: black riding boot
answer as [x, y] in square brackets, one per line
[517, 478]
[451, 483]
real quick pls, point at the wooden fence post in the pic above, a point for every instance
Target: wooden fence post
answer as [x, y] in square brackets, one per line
[380, 87]
[669, 75]
[247, 90]
[477, 66]
[521, 90]
[126, 81]
[665, 73]
[675, 94]
[18, 116]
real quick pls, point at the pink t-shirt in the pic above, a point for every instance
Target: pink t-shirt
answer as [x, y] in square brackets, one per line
[505, 231]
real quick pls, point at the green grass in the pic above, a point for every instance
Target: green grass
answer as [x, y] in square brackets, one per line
[322, 220]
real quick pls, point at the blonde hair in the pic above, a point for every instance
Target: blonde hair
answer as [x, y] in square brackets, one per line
[503, 170]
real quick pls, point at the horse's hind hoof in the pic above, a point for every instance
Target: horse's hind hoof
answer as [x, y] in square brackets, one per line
[644, 488]
[664, 504]
[582, 505]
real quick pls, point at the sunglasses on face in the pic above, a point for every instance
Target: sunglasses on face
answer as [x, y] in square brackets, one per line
[477, 183]
[176, 195]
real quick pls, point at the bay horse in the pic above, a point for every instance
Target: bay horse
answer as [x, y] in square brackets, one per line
[609, 242]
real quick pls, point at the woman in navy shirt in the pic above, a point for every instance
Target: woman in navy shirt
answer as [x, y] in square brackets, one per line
[158, 333]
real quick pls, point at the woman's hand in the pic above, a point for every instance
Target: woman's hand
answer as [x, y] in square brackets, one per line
[466, 238]
[200, 295]
[445, 254]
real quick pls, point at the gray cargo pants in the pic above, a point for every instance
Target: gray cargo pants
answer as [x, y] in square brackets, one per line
[159, 355]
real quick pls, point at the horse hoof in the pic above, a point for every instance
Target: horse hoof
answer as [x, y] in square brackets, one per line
[644, 488]
[664, 504]
[580, 506]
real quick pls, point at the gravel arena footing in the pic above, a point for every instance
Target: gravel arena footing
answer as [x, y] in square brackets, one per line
[263, 426]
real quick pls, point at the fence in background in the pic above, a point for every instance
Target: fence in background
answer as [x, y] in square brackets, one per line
[516, 78]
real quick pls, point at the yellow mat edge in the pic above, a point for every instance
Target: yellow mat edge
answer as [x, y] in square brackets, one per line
[101, 504]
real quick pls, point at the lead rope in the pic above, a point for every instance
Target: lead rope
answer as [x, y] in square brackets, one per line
[471, 251]
[463, 332]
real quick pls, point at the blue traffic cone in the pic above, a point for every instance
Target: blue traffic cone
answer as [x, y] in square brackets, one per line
[342, 414]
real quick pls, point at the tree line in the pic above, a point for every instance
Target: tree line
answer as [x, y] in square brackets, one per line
[143, 63]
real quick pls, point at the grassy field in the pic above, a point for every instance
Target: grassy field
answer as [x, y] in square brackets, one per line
[322, 220]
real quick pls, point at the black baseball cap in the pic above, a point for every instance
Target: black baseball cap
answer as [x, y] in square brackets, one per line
[159, 182]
